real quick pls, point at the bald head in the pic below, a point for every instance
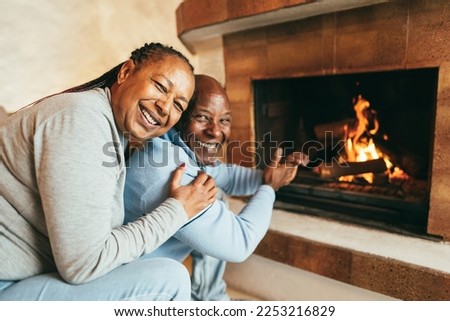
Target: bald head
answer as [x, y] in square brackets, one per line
[206, 85]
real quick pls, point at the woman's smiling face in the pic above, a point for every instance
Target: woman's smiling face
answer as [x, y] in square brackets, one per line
[149, 99]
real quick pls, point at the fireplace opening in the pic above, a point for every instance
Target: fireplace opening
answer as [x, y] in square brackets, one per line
[368, 137]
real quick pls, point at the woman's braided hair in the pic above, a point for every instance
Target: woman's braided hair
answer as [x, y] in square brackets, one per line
[149, 52]
[152, 52]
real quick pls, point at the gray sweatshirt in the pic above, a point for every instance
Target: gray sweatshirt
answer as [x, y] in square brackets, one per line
[62, 177]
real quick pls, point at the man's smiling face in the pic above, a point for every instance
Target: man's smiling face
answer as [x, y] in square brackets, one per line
[209, 124]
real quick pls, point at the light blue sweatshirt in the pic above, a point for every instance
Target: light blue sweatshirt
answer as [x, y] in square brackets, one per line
[218, 232]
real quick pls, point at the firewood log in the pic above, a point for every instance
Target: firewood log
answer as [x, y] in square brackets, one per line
[352, 168]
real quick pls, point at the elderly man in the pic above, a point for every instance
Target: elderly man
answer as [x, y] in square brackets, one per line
[217, 235]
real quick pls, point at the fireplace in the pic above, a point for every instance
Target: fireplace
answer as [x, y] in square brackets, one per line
[369, 141]
[382, 39]
[289, 41]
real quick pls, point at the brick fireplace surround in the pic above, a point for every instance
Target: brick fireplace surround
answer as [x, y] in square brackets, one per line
[394, 35]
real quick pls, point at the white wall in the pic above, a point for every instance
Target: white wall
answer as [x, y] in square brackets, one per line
[48, 46]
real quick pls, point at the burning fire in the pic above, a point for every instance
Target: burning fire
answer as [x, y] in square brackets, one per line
[360, 147]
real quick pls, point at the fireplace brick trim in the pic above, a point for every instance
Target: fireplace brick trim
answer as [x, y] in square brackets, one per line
[384, 275]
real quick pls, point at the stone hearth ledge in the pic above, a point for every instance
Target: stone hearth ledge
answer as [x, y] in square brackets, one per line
[403, 267]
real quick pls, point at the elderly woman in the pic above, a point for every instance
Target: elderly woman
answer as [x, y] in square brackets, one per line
[63, 174]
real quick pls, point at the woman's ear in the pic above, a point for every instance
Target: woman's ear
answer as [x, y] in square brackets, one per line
[126, 69]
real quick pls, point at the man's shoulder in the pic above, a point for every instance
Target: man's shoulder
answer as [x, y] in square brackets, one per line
[161, 156]
[224, 169]
[160, 149]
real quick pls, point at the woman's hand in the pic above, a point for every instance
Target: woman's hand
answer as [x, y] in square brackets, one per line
[197, 195]
[279, 174]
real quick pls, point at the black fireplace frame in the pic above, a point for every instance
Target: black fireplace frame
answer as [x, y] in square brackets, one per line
[280, 101]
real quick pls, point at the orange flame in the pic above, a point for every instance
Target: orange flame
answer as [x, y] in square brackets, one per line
[359, 145]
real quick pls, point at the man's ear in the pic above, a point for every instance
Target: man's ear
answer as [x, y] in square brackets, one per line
[126, 70]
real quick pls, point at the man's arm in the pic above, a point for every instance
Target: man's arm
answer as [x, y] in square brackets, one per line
[218, 231]
[221, 233]
[236, 180]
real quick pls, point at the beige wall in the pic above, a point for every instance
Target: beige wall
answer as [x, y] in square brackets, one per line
[48, 46]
